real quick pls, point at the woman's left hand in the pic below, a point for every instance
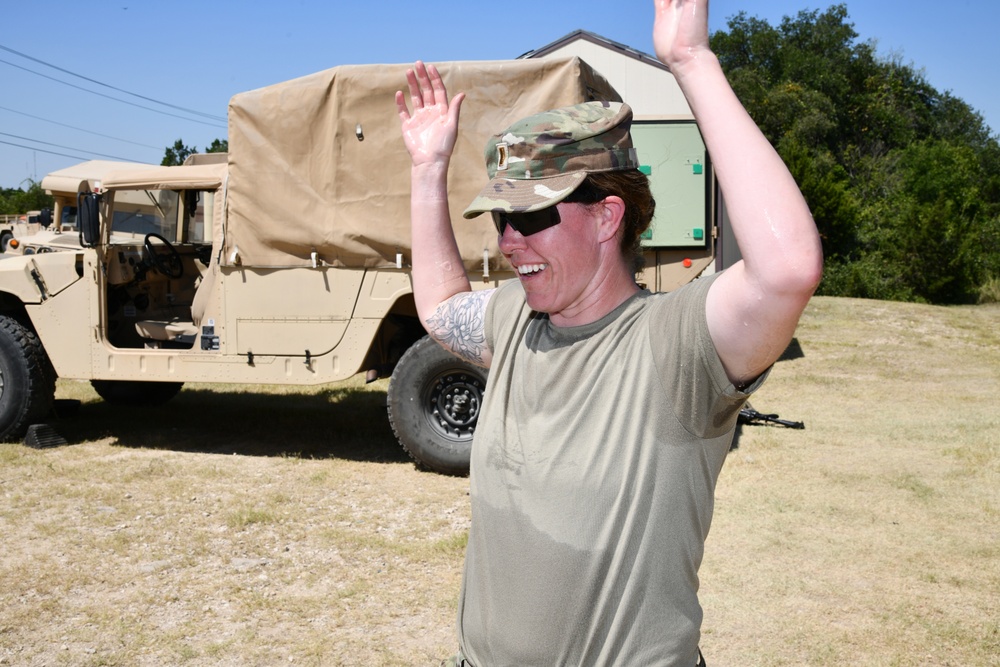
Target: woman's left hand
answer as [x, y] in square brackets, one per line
[680, 31]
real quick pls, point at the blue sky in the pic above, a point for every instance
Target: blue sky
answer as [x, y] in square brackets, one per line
[197, 54]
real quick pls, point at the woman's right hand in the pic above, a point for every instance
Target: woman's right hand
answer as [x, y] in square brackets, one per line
[429, 131]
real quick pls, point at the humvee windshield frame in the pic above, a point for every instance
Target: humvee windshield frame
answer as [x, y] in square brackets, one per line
[181, 216]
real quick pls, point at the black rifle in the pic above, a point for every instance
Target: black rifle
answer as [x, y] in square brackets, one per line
[751, 417]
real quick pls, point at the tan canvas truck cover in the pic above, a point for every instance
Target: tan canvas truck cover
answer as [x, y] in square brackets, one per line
[318, 165]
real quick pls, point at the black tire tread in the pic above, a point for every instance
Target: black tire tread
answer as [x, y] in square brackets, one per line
[39, 394]
[400, 398]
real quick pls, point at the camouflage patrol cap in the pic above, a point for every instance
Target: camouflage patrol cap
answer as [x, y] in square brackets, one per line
[540, 160]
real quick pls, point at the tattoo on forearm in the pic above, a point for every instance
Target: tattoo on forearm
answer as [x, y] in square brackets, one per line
[459, 325]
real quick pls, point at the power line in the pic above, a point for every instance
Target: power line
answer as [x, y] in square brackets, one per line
[68, 148]
[94, 92]
[120, 90]
[42, 150]
[79, 129]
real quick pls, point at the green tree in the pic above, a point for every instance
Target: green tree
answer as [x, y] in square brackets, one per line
[17, 200]
[176, 154]
[903, 180]
[218, 146]
[935, 239]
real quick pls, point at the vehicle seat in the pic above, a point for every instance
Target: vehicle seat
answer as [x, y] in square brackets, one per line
[174, 329]
[178, 329]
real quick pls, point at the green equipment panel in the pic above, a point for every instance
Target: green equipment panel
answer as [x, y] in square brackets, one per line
[672, 154]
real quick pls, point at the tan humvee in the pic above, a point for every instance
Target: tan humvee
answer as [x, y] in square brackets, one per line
[23, 224]
[286, 261]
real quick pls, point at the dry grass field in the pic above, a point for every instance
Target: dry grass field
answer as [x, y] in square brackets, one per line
[273, 527]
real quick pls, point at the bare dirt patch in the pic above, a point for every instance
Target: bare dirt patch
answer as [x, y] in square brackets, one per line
[121, 554]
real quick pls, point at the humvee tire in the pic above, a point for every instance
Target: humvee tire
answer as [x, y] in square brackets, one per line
[27, 385]
[433, 402]
[136, 394]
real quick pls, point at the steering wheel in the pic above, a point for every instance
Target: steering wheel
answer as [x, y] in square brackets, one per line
[168, 263]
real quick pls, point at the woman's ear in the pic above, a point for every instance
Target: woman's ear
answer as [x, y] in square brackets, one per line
[612, 214]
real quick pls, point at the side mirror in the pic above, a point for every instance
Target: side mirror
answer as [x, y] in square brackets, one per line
[89, 218]
[45, 217]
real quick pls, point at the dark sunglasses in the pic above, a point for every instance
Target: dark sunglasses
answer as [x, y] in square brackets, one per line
[526, 223]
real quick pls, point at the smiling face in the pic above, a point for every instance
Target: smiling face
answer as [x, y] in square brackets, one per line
[573, 270]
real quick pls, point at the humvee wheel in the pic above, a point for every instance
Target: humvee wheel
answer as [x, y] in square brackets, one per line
[433, 401]
[27, 387]
[136, 394]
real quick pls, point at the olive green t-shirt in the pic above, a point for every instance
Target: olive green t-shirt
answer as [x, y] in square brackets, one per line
[592, 477]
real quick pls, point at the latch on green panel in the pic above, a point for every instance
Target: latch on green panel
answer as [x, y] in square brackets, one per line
[696, 168]
[698, 233]
[646, 169]
[647, 235]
